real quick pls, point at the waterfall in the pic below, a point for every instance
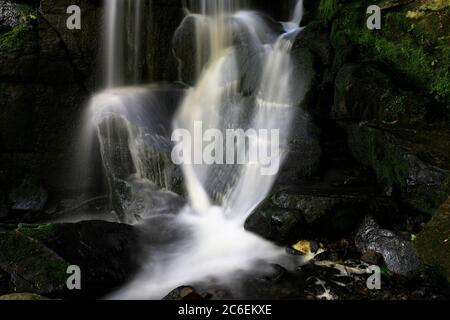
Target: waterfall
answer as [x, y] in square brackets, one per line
[245, 82]
[298, 13]
[123, 42]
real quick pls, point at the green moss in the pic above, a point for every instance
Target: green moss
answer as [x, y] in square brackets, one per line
[38, 232]
[416, 47]
[388, 164]
[327, 9]
[433, 243]
[32, 261]
[14, 39]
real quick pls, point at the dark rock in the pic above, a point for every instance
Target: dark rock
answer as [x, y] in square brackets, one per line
[312, 207]
[183, 293]
[29, 196]
[371, 257]
[6, 285]
[414, 162]
[22, 296]
[3, 207]
[304, 151]
[433, 242]
[36, 257]
[185, 47]
[279, 284]
[398, 253]
[363, 92]
[316, 38]
[279, 225]
[107, 253]
[31, 265]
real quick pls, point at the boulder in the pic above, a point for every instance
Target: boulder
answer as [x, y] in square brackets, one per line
[107, 253]
[433, 242]
[135, 135]
[279, 225]
[397, 251]
[35, 258]
[32, 266]
[316, 38]
[415, 163]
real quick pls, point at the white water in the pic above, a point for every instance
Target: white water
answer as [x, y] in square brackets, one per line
[221, 197]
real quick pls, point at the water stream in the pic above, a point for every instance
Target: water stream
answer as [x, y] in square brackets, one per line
[244, 80]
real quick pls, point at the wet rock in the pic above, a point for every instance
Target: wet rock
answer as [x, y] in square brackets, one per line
[311, 206]
[8, 15]
[31, 265]
[433, 242]
[22, 296]
[29, 196]
[279, 284]
[371, 257]
[279, 225]
[414, 162]
[398, 253]
[185, 47]
[144, 133]
[184, 293]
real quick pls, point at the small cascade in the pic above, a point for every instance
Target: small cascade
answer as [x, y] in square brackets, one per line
[244, 80]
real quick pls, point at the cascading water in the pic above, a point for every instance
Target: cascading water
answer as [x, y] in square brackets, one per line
[245, 81]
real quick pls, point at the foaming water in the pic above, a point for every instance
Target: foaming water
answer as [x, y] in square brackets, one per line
[217, 249]
[244, 81]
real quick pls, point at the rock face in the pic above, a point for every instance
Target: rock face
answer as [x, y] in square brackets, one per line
[35, 258]
[414, 162]
[397, 252]
[136, 151]
[296, 212]
[43, 94]
[31, 265]
[433, 242]
[105, 252]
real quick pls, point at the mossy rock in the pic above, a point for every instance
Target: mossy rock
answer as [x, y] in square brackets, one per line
[39, 232]
[363, 93]
[22, 297]
[413, 41]
[415, 163]
[19, 35]
[433, 242]
[32, 266]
